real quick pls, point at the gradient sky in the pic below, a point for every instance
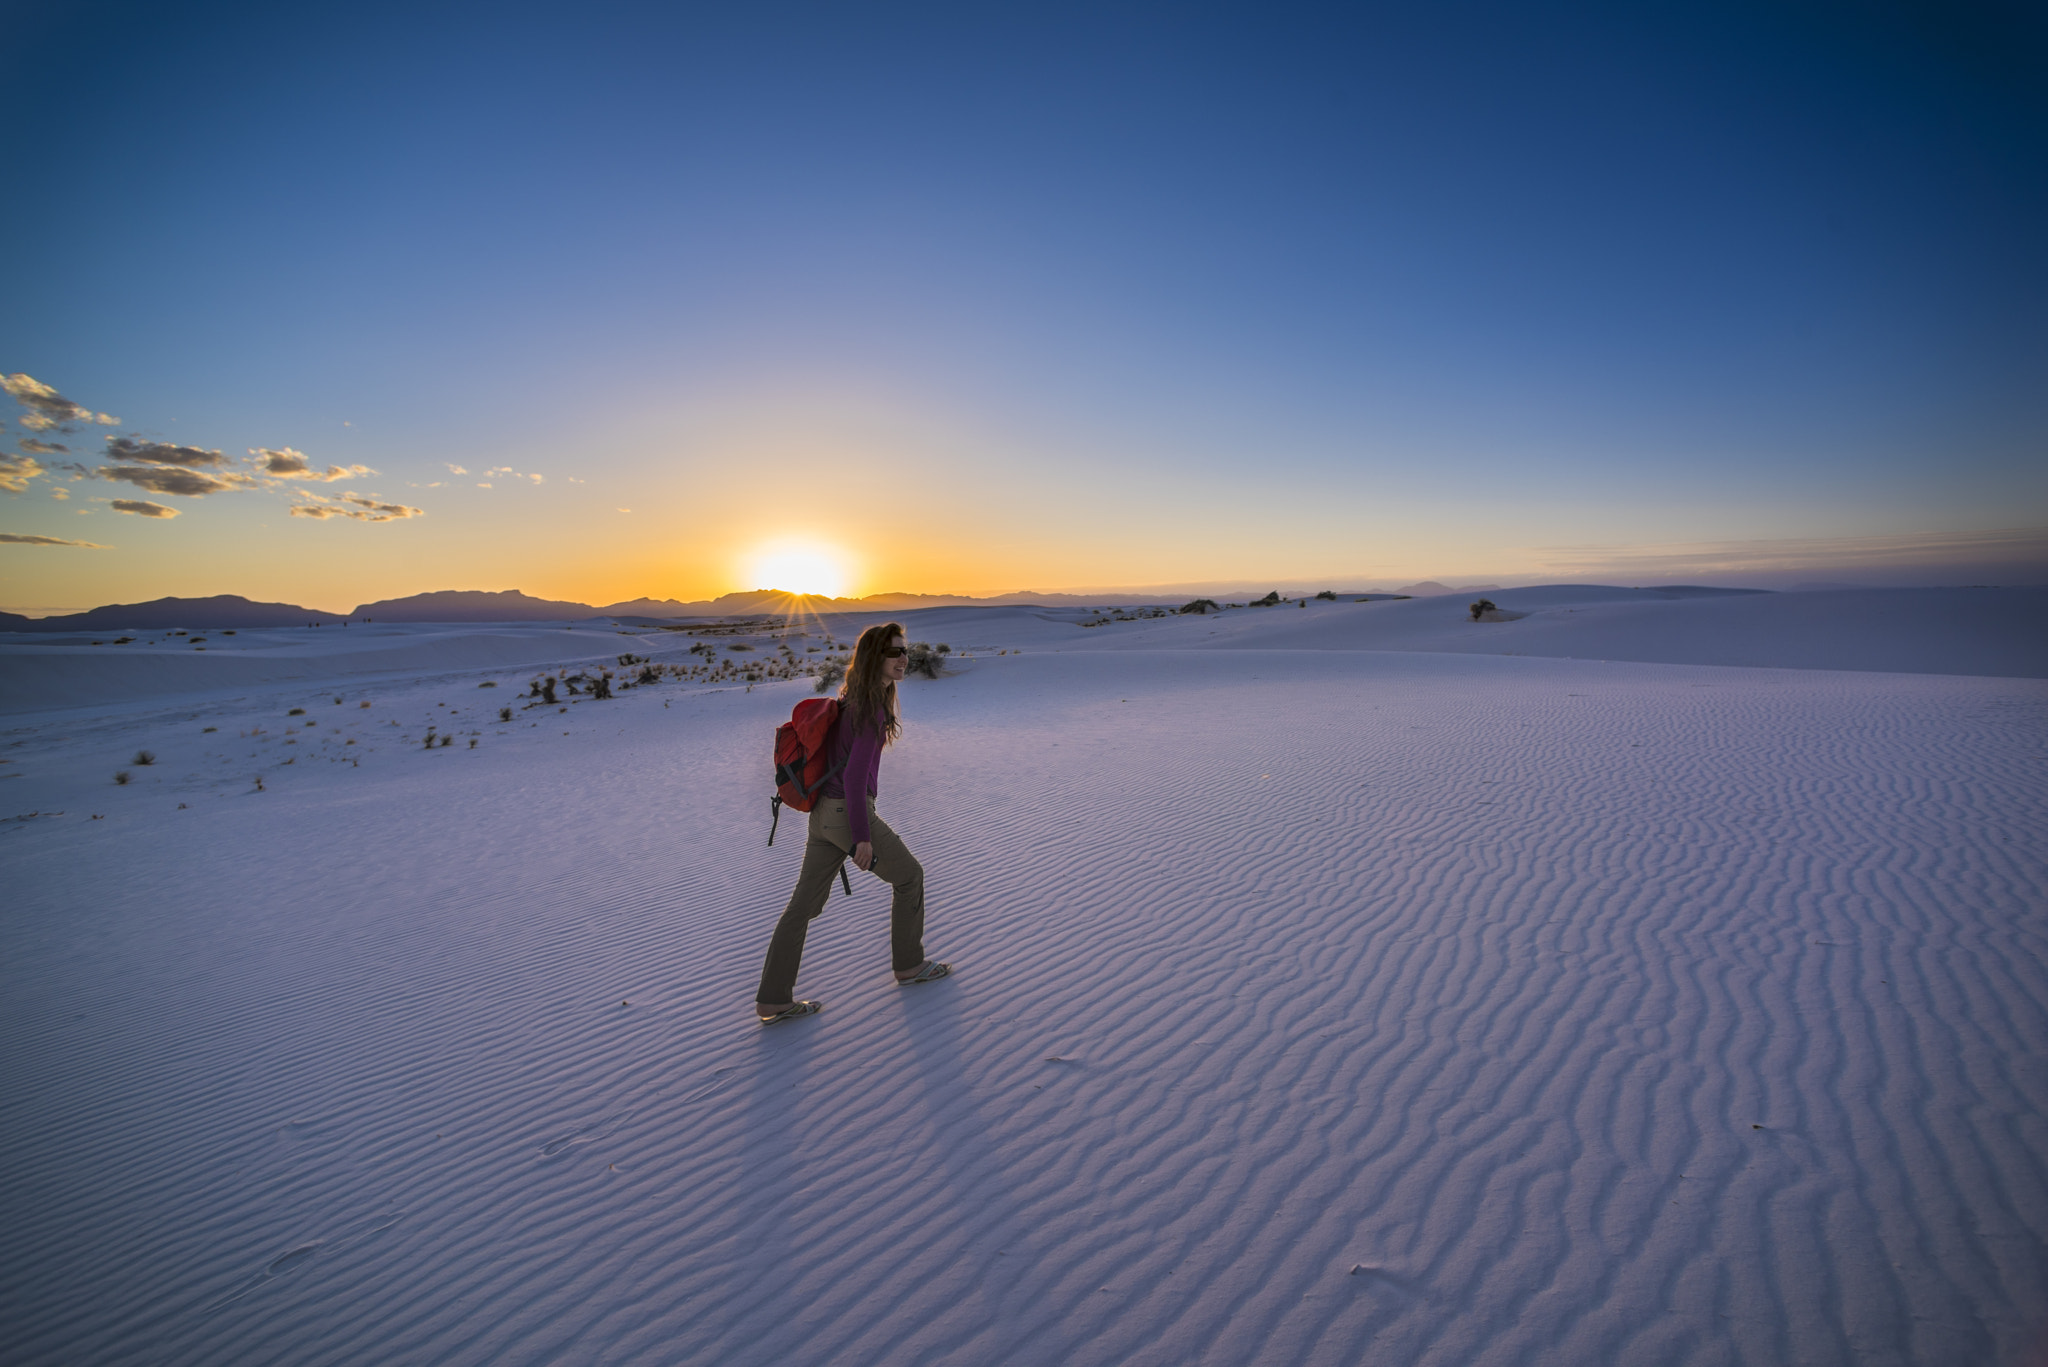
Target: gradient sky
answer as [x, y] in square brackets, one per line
[993, 297]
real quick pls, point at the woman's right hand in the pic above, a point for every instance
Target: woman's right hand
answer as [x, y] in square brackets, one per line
[864, 855]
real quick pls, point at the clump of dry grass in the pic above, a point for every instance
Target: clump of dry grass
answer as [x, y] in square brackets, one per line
[145, 758]
[296, 712]
[122, 777]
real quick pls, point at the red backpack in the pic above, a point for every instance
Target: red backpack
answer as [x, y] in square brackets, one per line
[803, 757]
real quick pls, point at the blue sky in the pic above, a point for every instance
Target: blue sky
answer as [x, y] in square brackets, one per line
[983, 298]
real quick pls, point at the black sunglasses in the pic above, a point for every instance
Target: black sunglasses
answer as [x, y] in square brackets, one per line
[894, 652]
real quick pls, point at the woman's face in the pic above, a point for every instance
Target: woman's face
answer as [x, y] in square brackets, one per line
[893, 666]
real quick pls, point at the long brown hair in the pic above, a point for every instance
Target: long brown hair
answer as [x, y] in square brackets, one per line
[865, 691]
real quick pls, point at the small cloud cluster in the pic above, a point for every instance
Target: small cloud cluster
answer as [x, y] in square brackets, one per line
[159, 467]
[17, 539]
[353, 506]
[508, 472]
[166, 468]
[290, 464]
[17, 471]
[47, 408]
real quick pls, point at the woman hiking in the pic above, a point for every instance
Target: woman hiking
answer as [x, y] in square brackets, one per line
[844, 823]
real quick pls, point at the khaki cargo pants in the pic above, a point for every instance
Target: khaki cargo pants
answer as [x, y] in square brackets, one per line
[829, 845]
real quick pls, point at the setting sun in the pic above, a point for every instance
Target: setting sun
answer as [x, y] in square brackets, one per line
[798, 569]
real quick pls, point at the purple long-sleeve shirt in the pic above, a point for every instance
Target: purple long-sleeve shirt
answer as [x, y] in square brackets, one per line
[857, 753]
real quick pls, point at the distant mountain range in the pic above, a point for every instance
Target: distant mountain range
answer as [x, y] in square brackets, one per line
[228, 611]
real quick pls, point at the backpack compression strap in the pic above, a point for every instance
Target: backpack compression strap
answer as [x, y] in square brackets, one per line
[775, 810]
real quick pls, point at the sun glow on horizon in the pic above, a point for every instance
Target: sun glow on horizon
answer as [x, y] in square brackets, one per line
[798, 568]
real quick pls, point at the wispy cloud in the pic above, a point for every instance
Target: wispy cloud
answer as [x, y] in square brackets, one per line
[60, 494]
[47, 408]
[355, 507]
[289, 464]
[44, 448]
[16, 539]
[17, 471]
[158, 479]
[163, 453]
[142, 508]
[496, 470]
[456, 470]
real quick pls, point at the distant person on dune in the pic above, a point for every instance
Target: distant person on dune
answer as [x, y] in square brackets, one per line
[844, 823]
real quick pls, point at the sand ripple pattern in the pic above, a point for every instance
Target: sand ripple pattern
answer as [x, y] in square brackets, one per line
[1311, 1008]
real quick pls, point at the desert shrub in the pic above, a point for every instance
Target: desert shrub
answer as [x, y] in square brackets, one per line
[447, 741]
[830, 673]
[504, 714]
[1268, 601]
[472, 742]
[648, 674]
[430, 739]
[212, 728]
[1199, 606]
[926, 661]
[488, 683]
[366, 702]
[145, 758]
[227, 633]
[547, 689]
[945, 649]
[296, 712]
[1328, 596]
[739, 646]
[122, 777]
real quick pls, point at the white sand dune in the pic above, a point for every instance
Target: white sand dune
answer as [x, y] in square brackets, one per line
[1318, 1001]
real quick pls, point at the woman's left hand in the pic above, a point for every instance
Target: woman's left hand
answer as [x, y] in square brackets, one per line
[864, 855]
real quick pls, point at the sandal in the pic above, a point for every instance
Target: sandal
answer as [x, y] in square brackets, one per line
[929, 971]
[792, 1011]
